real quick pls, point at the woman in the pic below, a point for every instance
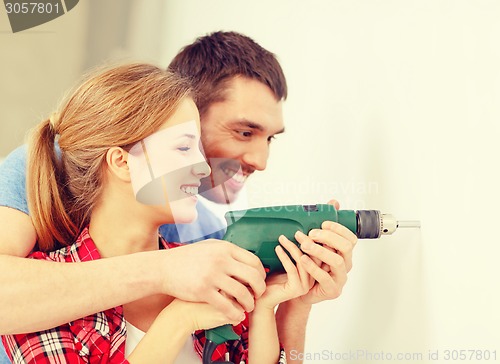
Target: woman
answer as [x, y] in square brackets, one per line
[128, 161]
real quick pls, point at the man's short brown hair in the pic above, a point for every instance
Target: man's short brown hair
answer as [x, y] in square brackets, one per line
[213, 60]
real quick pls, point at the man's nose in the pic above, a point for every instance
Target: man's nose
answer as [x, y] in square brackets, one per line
[256, 157]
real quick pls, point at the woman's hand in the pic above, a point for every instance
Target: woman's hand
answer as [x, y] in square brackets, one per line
[294, 283]
[199, 315]
[328, 260]
[264, 346]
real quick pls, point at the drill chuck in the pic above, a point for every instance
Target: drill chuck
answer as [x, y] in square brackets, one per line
[372, 224]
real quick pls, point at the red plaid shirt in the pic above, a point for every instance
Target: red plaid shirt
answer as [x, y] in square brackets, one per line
[98, 338]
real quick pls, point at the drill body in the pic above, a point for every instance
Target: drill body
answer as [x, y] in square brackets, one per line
[257, 230]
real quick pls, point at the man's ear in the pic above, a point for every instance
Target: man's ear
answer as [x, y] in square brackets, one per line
[116, 161]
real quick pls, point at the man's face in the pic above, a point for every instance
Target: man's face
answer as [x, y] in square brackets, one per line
[236, 134]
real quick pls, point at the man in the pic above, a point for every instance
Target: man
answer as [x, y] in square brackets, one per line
[240, 89]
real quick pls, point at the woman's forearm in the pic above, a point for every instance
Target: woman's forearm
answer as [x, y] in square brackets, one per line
[263, 342]
[164, 339]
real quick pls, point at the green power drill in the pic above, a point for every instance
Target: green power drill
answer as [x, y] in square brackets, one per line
[257, 230]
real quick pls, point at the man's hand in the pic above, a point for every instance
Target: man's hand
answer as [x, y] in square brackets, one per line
[217, 272]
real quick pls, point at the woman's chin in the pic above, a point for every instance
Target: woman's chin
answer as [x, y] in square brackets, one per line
[184, 212]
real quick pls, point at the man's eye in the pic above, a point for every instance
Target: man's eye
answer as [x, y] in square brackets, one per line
[245, 133]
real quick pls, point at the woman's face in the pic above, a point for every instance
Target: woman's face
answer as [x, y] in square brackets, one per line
[166, 167]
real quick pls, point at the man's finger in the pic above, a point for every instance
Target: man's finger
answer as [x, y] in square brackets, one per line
[231, 309]
[245, 257]
[334, 203]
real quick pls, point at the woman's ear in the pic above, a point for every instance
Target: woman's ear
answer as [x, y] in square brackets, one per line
[116, 161]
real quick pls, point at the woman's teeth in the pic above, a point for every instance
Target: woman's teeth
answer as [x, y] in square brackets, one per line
[238, 177]
[190, 190]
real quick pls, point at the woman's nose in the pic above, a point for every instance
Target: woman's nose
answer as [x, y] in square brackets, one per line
[201, 169]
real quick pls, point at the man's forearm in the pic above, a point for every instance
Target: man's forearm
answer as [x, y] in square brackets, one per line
[37, 295]
[291, 321]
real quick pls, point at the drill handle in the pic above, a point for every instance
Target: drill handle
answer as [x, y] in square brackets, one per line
[214, 337]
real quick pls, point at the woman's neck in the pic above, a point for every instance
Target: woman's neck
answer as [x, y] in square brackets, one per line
[120, 225]
[118, 229]
[126, 233]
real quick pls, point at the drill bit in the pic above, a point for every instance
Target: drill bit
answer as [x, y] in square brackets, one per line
[408, 224]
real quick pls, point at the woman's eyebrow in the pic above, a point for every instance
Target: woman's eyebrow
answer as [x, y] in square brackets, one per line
[187, 135]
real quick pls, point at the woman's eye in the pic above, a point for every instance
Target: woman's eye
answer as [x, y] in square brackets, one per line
[183, 149]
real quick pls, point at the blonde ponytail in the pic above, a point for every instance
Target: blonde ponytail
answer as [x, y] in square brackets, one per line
[45, 189]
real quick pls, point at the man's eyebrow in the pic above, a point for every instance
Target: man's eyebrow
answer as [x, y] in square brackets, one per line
[254, 125]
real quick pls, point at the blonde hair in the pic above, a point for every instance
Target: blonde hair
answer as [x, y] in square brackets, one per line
[116, 107]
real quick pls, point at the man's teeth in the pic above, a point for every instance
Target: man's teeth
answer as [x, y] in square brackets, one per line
[190, 190]
[238, 177]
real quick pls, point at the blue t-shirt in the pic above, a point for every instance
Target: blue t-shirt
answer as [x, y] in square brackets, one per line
[4, 359]
[13, 180]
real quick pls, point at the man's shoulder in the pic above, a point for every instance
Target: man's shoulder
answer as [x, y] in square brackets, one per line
[15, 159]
[13, 180]
[14, 164]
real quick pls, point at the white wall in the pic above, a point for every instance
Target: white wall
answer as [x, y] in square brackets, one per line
[39, 65]
[394, 105]
[36, 67]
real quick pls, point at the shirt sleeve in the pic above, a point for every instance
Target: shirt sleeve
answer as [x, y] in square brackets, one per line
[86, 340]
[13, 180]
[97, 338]
[56, 345]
